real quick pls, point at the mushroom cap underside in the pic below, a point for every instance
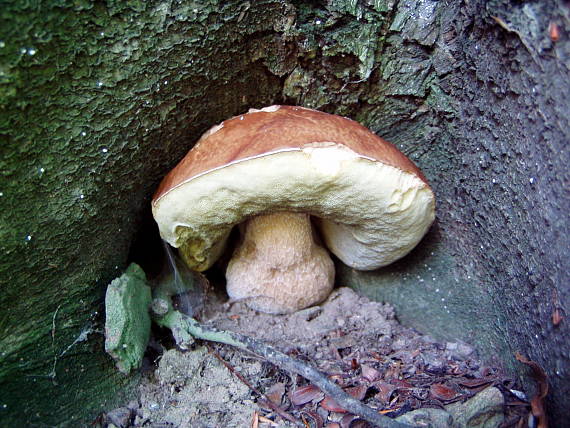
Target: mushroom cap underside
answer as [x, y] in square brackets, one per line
[370, 213]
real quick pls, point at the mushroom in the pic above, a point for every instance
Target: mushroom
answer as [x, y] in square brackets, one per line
[275, 171]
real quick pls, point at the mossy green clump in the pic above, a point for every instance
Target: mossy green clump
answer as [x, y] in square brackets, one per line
[127, 324]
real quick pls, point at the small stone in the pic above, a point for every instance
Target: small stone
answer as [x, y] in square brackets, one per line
[134, 405]
[399, 343]
[519, 394]
[484, 410]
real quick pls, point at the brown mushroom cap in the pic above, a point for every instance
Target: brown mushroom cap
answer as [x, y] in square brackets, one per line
[374, 204]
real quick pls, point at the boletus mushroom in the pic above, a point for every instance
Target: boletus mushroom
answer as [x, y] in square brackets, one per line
[277, 171]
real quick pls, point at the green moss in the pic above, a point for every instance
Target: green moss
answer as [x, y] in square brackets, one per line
[104, 99]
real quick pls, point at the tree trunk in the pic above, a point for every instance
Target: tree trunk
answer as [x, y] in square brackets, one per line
[99, 100]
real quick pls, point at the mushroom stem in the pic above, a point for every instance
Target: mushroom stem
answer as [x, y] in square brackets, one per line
[278, 267]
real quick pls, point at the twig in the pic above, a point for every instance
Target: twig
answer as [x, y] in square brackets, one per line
[285, 362]
[268, 402]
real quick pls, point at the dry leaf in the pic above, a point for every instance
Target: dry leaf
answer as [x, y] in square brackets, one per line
[265, 420]
[305, 394]
[369, 373]
[385, 391]
[329, 404]
[442, 392]
[474, 383]
[275, 392]
[358, 392]
[255, 420]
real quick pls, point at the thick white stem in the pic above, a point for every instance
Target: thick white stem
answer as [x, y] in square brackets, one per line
[278, 267]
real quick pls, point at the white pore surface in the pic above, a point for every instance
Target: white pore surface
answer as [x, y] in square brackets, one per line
[371, 214]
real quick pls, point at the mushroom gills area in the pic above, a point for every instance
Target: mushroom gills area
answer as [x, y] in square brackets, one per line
[278, 268]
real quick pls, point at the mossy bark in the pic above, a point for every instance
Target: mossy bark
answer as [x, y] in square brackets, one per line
[99, 100]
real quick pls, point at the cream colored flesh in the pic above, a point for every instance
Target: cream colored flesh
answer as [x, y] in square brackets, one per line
[278, 268]
[372, 214]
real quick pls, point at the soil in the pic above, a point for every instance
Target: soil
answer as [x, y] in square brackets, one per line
[356, 342]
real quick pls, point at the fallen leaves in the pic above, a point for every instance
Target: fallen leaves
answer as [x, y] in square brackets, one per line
[329, 404]
[392, 373]
[275, 392]
[369, 373]
[393, 384]
[306, 394]
[442, 392]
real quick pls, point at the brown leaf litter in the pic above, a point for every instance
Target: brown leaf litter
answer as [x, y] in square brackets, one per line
[356, 342]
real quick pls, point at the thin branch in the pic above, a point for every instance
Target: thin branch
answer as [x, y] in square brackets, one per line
[284, 362]
[267, 401]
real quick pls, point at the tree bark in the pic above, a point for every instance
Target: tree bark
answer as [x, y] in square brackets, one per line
[99, 100]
